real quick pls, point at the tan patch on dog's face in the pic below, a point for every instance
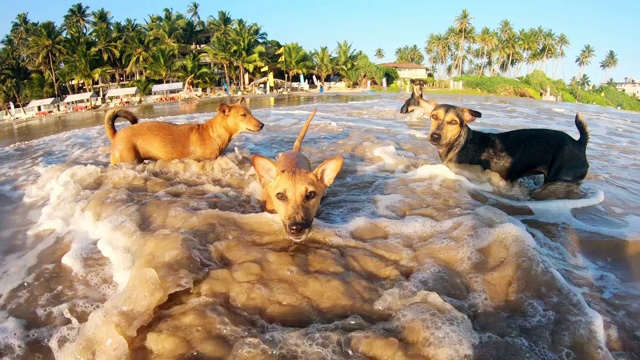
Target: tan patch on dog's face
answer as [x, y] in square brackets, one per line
[295, 196]
[447, 122]
[239, 117]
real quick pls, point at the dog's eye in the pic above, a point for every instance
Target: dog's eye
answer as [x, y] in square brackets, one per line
[243, 115]
[434, 116]
[311, 195]
[454, 122]
[281, 196]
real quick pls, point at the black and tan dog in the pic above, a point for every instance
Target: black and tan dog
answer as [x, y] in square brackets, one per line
[413, 102]
[512, 154]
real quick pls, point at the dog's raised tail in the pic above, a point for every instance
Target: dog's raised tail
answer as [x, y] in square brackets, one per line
[303, 132]
[112, 116]
[581, 124]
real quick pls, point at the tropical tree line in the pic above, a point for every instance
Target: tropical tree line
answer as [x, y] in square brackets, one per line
[89, 51]
[464, 50]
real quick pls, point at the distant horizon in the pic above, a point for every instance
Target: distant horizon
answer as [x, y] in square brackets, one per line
[390, 26]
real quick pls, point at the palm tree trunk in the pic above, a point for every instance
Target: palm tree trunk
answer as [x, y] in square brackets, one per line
[460, 55]
[226, 74]
[19, 102]
[53, 75]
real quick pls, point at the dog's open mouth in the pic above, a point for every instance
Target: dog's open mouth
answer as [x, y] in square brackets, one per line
[297, 232]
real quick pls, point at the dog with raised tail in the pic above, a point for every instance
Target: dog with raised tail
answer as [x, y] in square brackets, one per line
[512, 154]
[157, 140]
[292, 189]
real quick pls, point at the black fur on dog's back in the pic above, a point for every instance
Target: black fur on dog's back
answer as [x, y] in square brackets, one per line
[412, 101]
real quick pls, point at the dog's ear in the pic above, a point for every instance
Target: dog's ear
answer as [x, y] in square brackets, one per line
[328, 170]
[224, 109]
[265, 168]
[470, 115]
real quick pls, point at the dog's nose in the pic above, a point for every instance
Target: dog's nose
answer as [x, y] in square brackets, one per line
[299, 228]
[435, 137]
[261, 126]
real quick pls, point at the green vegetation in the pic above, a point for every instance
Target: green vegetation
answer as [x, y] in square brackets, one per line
[499, 85]
[89, 50]
[534, 85]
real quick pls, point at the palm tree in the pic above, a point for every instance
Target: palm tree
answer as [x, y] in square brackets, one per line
[507, 45]
[584, 58]
[246, 47]
[463, 24]
[222, 25]
[219, 52]
[80, 66]
[77, 17]
[46, 46]
[101, 18]
[168, 29]
[345, 58]
[379, 53]
[487, 40]
[194, 10]
[136, 49]
[190, 66]
[323, 63]
[409, 54]
[563, 42]
[549, 41]
[294, 60]
[162, 63]
[610, 61]
[144, 85]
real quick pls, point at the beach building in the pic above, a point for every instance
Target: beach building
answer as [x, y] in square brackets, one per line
[79, 102]
[122, 96]
[167, 90]
[629, 86]
[41, 107]
[407, 71]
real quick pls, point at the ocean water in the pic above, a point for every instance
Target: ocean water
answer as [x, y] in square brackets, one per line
[408, 259]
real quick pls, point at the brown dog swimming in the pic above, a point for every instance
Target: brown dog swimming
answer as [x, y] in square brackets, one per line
[291, 189]
[157, 140]
[512, 154]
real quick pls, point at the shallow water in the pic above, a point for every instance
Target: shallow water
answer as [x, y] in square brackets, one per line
[407, 259]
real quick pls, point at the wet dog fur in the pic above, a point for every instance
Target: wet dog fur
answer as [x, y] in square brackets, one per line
[512, 154]
[157, 140]
[413, 102]
[292, 189]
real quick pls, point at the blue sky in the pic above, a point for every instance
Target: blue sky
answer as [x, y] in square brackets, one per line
[368, 25]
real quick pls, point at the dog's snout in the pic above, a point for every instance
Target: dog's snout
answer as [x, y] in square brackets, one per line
[261, 126]
[298, 229]
[435, 137]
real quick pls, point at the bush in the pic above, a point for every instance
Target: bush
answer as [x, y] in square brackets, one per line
[499, 85]
[393, 87]
[566, 96]
[539, 81]
[616, 97]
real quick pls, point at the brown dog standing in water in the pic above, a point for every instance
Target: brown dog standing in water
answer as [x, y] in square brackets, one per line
[512, 154]
[291, 189]
[157, 140]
